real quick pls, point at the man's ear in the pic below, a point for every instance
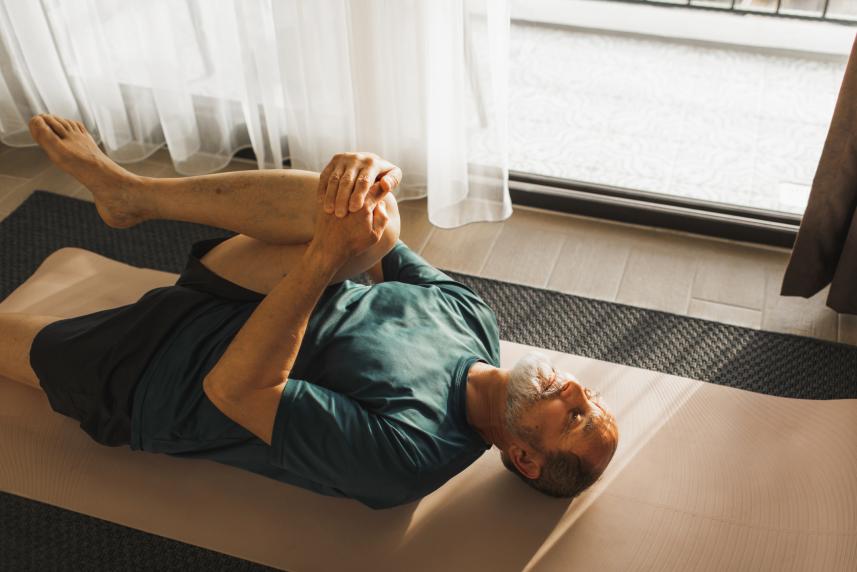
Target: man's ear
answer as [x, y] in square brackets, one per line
[526, 460]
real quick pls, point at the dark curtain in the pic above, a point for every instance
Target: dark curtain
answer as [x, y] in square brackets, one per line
[825, 251]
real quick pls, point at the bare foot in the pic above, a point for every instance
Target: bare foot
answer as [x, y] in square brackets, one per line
[118, 193]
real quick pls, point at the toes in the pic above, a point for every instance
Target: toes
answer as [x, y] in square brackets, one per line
[55, 124]
[41, 128]
[69, 127]
[38, 126]
[45, 123]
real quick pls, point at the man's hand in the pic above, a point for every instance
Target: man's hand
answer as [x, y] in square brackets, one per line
[341, 239]
[345, 183]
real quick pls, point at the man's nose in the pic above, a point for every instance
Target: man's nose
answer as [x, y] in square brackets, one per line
[574, 391]
[575, 394]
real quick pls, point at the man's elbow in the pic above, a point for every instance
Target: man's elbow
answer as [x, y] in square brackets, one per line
[217, 389]
[224, 385]
[211, 388]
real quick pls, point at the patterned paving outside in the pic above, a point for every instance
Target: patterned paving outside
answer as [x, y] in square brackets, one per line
[715, 123]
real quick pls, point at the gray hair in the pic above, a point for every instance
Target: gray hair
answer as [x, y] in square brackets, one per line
[564, 474]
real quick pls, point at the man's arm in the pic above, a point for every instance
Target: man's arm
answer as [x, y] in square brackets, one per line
[247, 381]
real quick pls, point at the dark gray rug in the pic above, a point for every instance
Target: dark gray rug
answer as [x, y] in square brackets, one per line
[776, 364]
[35, 536]
[765, 362]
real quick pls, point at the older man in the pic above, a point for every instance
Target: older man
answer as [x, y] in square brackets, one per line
[265, 356]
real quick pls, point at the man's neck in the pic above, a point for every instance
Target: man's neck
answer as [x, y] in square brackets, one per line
[486, 402]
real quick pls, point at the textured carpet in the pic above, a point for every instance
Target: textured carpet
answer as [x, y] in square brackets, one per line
[39, 537]
[35, 536]
[766, 362]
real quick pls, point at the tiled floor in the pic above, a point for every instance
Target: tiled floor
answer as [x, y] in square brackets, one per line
[725, 281]
[715, 123]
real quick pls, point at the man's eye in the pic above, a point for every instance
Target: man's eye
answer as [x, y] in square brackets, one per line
[576, 415]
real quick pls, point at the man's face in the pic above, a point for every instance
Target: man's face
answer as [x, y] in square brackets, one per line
[558, 412]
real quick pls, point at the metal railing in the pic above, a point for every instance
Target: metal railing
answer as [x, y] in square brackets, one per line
[838, 11]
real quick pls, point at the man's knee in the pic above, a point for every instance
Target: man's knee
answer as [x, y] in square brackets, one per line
[19, 331]
[394, 226]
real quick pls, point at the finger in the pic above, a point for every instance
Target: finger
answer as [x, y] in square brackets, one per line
[392, 178]
[387, 183]
[375, 194]
[322, 180]
[379, 219]
[346, 186]
[364, 183]
[332, 187]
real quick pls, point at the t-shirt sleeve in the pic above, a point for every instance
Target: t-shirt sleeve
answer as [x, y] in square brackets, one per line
[402, 264]
[331, 439]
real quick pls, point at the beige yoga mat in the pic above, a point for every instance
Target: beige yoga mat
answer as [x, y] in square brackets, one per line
[705, 477]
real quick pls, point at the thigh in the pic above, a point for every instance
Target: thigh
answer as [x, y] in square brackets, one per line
[259, 266]
[17, 332]
[250, 262]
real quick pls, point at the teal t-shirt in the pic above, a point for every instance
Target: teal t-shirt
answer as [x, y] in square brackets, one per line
[374, 408]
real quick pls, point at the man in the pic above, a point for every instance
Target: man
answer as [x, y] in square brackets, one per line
[265, 356]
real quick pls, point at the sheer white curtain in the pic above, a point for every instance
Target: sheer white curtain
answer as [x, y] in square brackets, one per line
[422, 83]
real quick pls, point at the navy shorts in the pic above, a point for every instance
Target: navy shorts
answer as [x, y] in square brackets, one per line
[89, 365]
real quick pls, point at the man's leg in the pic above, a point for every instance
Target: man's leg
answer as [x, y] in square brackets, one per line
[259, 266]
[273, 205]
[273, 210]
[16, 337]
